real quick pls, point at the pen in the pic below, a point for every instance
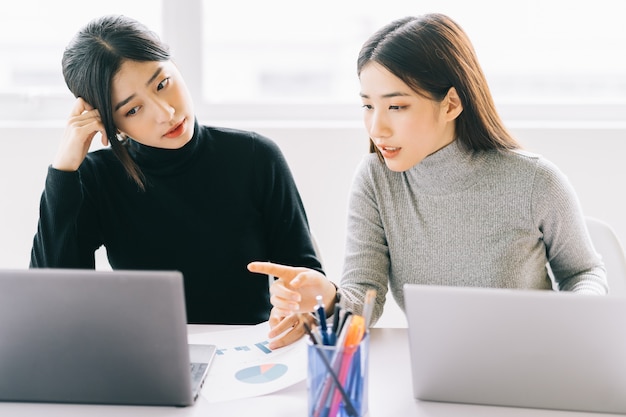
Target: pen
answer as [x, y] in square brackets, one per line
[348, 404]
[335, 330]
[354, 381]
[321, 316]
[344, 319]
[368, 306]
[354, 335]
[344, 395]
[312, 336]
[324, 393]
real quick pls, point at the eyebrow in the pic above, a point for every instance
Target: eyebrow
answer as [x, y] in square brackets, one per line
[150, 80]
[389, 95]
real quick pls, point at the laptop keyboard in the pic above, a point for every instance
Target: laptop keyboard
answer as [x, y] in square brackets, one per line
[197, 370]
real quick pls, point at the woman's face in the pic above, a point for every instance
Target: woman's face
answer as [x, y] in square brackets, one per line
[405, 127]
[152, 105]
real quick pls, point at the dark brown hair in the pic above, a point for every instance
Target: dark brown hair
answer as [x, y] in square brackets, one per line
[431, 54]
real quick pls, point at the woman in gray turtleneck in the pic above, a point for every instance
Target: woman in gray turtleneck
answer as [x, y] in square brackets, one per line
[446, 196]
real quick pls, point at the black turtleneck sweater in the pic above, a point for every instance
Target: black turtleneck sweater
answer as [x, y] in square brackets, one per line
[223, 200]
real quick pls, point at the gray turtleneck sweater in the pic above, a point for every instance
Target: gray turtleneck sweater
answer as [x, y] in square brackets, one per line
[487, 219]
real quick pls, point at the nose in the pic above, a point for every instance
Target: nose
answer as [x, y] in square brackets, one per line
[164, 110]
[377, 125]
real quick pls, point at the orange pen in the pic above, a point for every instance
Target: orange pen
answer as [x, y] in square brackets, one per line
[354, 335]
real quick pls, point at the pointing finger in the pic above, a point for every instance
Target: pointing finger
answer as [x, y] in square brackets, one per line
[284, 272]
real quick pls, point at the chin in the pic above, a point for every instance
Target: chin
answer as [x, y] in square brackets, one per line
[183, 141]
[184, 138]
[397, 167]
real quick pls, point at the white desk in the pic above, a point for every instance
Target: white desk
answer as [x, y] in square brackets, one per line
[390, 395]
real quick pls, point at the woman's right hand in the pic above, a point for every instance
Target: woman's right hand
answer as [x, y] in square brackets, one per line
[292, 294]
[83, 124]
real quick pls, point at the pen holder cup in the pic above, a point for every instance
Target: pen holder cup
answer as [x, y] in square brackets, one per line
[350, 368]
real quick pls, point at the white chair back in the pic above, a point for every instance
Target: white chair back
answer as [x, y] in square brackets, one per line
[608, 245]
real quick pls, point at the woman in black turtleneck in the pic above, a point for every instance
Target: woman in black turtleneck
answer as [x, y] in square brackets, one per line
[169, 193]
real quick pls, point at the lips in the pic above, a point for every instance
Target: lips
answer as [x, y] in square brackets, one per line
[389, 151]
[176, 131]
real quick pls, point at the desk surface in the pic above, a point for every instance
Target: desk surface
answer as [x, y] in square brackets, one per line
[390, 394]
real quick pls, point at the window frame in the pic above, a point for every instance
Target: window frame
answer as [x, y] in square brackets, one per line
[186, 45]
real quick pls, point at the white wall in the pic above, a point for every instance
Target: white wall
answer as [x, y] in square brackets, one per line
[323, 159]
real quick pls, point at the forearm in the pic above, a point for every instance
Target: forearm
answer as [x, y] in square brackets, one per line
[367, 262]
[592, 282]
[56, 243]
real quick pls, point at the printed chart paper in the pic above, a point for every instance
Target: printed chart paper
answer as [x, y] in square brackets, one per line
[245, 367]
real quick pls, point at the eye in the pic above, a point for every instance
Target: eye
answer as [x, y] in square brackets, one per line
[367, 107]
[396, 107]
[132, 111]
[163, 83]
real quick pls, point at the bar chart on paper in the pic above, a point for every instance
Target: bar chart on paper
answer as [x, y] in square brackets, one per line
[244, 366]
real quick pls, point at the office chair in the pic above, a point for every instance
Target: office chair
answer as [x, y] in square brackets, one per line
[608, 245]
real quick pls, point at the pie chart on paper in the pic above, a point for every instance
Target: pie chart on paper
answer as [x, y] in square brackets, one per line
[261, 374]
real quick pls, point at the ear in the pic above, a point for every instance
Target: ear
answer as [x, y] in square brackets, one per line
[452, 105]
[121, 135]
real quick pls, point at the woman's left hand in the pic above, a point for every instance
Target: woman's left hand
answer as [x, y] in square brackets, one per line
[286, 330]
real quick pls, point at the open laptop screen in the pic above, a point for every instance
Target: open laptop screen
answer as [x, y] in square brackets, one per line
[526, 348]
[85, 336]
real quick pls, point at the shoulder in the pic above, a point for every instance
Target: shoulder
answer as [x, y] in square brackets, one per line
[530, 158]
[544, 168]
[102, 167]
[372, 174]
[371, 166]
[549, 184]
[517, 161]
[249, 149]
[239, 139]
[520, 157]
[367, 168]
[100, 159]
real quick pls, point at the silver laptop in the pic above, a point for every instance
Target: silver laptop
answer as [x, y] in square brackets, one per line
[524, 348]
[104, 337]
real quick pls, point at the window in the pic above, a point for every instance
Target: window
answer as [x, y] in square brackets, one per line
[285, 60]
[531, 50]
[541, 58]
[33, 35]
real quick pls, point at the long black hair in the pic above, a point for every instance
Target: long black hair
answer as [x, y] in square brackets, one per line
[94, 56]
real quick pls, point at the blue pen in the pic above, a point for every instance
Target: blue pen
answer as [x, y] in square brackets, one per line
[335, 329]
[321, 316]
